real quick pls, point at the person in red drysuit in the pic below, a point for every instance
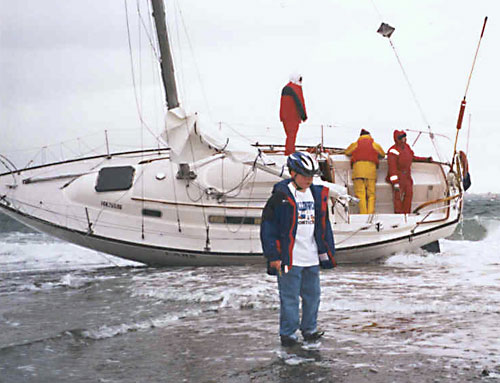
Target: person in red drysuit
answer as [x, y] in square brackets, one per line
[292, 110]
[399, 158]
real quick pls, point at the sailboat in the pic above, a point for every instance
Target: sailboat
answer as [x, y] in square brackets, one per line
[199, 201]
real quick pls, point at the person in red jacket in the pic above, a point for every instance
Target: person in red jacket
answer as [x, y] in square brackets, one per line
[292, 110]
[399, 158]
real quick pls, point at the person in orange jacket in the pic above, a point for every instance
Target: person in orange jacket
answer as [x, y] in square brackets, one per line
[399, 159]
[292, 110]
[365, 154]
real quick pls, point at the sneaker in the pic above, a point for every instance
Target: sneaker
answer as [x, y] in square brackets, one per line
[313, 336]
[288, 341]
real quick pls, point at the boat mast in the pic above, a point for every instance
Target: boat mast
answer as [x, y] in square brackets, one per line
[166, 63]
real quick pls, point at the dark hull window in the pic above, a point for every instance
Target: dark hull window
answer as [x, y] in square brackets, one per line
[234, 220]
[151, 213]
[115, 178]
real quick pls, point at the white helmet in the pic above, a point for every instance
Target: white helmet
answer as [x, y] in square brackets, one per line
[296, 78]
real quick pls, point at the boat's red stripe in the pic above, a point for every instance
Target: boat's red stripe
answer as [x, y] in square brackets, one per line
[324, 207]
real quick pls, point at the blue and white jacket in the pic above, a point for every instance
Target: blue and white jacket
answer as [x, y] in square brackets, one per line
[279, 226]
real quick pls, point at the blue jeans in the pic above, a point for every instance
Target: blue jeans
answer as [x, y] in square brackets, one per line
[299, 282]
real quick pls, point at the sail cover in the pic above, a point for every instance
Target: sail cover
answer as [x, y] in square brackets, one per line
[191, 140]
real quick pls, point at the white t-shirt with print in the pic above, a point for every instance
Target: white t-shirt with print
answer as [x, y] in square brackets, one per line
[305, 250]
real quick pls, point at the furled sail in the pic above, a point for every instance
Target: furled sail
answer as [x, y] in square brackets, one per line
[191, 140]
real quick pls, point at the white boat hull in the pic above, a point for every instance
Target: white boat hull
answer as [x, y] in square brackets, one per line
[194, 225]
[164, 256]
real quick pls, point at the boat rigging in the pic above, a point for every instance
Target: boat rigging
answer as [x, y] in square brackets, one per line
[199, 201]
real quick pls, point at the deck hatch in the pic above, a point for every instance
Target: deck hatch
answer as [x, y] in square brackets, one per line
[115, 178]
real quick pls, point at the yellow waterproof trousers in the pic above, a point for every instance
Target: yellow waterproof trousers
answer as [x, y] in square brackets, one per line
[364, 189]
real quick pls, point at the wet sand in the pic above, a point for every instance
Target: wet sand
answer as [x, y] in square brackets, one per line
[226, 346]
[242, 353]
[417, 318]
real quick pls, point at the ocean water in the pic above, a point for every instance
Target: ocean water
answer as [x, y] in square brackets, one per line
[69, 314]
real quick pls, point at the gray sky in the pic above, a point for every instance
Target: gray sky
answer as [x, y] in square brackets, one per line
[65, 71]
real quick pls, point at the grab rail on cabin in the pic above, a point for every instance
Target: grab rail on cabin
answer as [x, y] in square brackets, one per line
[428, 203]
[447, 207]
[430, 212]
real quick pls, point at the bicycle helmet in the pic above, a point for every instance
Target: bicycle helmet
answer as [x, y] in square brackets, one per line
[302, 163]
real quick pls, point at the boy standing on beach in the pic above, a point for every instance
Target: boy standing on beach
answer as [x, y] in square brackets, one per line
[297, 240]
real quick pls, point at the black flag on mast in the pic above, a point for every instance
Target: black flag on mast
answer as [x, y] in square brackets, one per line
[386, 30]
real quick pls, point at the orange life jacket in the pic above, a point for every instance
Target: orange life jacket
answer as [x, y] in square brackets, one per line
[365, 150]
